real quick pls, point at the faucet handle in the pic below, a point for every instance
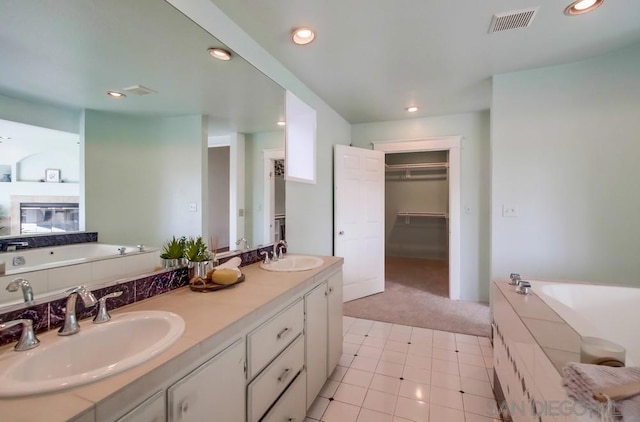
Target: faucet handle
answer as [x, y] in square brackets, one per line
[140, 248]
[267, 260]
[122, 250]
[515, 278]
[103, 314]
[28, 339]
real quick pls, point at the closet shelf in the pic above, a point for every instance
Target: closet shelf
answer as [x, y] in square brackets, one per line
[408, 215]
[416, 166]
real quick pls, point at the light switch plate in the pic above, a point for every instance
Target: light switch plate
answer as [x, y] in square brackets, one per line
[509, 210]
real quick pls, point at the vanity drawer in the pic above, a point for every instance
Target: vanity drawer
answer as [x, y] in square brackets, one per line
[265, 342]
[291, 407]
[266, 388]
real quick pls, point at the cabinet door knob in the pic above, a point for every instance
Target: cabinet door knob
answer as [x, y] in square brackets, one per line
[184, 407]
[283, 333]
[291, 419]
[284, 374]
[330, 289]
[341, 232]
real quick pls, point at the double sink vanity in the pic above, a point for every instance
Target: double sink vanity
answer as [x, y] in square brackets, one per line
[260, 350]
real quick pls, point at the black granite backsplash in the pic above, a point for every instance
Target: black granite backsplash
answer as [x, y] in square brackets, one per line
[45, 241]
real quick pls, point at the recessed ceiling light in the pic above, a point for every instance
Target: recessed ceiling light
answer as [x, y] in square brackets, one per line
[116, 94]
[220, 54]
[281, 123]
[412, 109]
[302, 36]
[580, 7]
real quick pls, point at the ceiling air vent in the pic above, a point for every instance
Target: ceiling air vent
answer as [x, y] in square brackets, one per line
[139, 90]
[512, 20]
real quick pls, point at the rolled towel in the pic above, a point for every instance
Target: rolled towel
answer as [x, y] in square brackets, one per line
[582, 381]
[232, 263]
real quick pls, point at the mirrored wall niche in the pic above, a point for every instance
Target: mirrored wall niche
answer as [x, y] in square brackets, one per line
[142, 172]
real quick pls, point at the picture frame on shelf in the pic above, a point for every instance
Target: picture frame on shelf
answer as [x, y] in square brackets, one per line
[52, 175]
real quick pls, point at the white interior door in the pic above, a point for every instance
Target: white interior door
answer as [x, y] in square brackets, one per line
[359, 219]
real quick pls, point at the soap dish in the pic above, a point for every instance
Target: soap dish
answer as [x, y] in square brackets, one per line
[202, 285]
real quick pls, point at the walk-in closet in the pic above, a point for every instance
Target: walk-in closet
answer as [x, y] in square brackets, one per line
[416, 221]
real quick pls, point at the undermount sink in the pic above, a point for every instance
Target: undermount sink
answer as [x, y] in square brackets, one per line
[294, 263]
[96, 352]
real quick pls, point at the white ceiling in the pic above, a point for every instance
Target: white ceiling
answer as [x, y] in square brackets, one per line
[373, 58]
[70, 52]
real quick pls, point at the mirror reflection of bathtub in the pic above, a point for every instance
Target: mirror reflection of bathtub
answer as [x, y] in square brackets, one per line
[51, 270]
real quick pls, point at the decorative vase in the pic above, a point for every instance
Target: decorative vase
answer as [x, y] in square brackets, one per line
[198, 269]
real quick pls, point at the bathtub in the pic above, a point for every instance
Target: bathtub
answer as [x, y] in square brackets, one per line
[59, 267]
[609, 312]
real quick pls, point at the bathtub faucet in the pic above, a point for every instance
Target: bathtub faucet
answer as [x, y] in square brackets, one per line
[14, 246]
[515, 278]
[122, 250]
[21, 283]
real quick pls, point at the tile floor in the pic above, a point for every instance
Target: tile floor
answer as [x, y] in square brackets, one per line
[397, 373]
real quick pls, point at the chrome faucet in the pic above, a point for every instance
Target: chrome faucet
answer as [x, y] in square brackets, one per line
[122, 250]
[28, 339]
[140, 248]
[27, 291]
[246, 243]
[103, 315]
[515, 279]
[281, 245]
[267, 260]
[13, 246]
[70, 320]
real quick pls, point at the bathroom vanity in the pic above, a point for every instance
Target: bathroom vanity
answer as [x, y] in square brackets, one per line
[261, 350]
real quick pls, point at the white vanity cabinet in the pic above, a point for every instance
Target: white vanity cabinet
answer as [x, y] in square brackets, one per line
[213, 391]
[323, 332]
[151, 410]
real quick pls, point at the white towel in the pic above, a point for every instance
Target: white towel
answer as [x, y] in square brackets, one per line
[582, 380]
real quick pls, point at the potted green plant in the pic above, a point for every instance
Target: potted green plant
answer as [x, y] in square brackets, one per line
[198, 257]
[173, 252]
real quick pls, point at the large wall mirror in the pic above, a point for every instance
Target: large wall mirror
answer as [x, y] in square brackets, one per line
[193, 148]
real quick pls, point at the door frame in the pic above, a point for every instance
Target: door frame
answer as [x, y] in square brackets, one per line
[453, 145]
[268, 191]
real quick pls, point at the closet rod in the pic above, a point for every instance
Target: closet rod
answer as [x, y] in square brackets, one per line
[407, 215]
[416, 166]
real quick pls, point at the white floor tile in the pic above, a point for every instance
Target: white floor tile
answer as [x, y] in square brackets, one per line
[448, 355]
[440, 379]
[375, 341]
[345, 360]
[389, 369]
[370, 352]
[445, 414]
[469, 359]
[420, 349]
[422, 376]
[380, 402]
[340, 412]
[350, 348]
[475, 372]
[477, 388]
[447, 398]
[367, 415]
[447, 367]
[350, 394]
[393, 357]
[418, 362]
[329, 389]
[367, 385]
[318, 408]
[480, 405]
[338, 373]
[414, 390]
[354, 338]
[364, 364]
[358, 377]
[466, 338]
[385, 384]
[397, 346]
[414, 410]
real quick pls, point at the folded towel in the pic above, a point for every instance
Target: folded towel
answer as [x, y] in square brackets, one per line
[582, 380]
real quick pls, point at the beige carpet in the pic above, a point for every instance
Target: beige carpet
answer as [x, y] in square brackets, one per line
[416, 294]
